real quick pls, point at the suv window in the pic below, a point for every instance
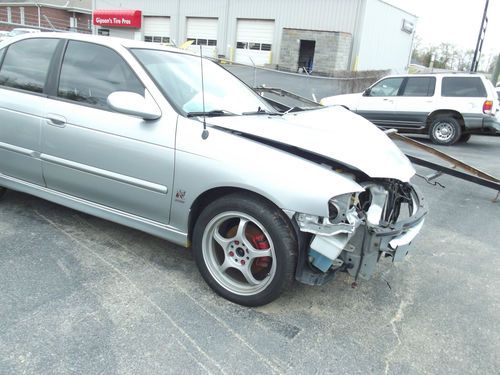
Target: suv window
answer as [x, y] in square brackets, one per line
[26, 64]
[463, 87]
[387, 87]
[2, 51]
[420, 86]
[91, 72]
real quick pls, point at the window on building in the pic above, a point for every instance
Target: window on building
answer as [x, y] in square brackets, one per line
[203, 42]
[73, 23]
[463, 87]
[91, 72]
[21, 15]
[157, 39]
[420, 86]
[26, 64]
[387, 87]
[9, 14]
[254, 46]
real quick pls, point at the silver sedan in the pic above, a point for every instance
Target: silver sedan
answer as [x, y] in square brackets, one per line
[135, 133]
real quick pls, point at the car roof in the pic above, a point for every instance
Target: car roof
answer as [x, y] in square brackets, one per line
[26, 29]
[109, 41]
[457, 74]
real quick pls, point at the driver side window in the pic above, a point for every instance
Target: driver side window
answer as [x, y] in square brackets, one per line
[387, 87]
[91, 72]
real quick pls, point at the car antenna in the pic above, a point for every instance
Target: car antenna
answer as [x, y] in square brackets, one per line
[204, 134]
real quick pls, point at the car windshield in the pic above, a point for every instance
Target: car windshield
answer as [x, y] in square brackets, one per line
[179, 77]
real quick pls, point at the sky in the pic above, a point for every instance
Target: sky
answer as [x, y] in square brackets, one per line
[454, 21]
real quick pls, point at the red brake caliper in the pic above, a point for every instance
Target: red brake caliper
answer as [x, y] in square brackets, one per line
[259, 241]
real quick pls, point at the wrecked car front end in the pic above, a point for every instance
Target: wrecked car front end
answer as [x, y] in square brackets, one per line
[362, 228]
[377, 213]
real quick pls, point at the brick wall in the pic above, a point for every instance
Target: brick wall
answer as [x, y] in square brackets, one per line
[332, 50]
[57, 18]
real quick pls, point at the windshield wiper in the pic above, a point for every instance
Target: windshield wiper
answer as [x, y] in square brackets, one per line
[295, 109]
[261, 111]
[214, 113]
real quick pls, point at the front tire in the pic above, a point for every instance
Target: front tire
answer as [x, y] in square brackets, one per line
[445, 130]
[245, 249]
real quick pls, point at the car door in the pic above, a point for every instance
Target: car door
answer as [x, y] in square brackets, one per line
[416, 101]
[378, 102]
[23, 72]
[89, 151]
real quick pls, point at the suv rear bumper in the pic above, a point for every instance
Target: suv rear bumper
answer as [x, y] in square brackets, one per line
[480, 125]
[491, 124]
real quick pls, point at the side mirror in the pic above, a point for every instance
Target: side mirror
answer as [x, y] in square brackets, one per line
[367, 92]
[131, 103]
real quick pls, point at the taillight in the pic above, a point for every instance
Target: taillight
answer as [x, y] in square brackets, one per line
[487, 107]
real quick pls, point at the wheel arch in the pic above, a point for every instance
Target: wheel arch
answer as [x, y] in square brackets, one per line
[445, 112]
[208, 196]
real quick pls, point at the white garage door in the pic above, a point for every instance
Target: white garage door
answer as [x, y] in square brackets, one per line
[203, 32]
[254, 39]
[124, 33]
[157, 29]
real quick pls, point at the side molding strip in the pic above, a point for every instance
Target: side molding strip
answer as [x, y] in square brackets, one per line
[106, 174]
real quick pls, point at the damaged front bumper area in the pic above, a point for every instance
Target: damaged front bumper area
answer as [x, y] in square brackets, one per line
[380, 222]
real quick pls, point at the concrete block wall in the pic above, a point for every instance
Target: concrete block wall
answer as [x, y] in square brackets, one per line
[331, 52]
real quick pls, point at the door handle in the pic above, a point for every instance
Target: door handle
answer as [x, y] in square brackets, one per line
[56, 120]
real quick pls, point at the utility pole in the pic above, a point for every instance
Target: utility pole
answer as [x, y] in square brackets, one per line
[480, 39]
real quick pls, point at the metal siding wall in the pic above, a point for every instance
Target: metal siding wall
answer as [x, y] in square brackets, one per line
[383, 44]
[326, 15]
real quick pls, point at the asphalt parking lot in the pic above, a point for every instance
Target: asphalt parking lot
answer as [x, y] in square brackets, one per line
[83, 295]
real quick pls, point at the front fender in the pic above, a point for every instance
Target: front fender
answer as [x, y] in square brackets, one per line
[227, 160]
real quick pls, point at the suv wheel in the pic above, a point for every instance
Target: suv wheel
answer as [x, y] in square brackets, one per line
[445, 130]
[2, 191]
[245, 249]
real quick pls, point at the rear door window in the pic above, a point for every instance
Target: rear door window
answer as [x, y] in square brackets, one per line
[91, 72]
[420, 86]
[471, 87]
[26, 64]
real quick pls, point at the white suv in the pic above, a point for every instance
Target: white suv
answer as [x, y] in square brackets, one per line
[448, 107]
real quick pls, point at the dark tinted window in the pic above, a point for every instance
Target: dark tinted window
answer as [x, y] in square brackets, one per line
[91, 72]
[26, 64]
[463, 86]
[420, 86]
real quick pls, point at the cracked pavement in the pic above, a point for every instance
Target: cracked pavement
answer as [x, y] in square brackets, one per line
[83, 295]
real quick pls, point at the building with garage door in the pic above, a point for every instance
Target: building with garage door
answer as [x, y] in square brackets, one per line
[314, 35]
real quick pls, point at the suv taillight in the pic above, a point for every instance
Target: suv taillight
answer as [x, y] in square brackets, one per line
[487, 107]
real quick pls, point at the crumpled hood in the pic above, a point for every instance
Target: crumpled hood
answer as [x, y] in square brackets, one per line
[332, 132]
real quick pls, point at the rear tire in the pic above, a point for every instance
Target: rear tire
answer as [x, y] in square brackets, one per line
[245, 249]
[464, 138]
[445, 130]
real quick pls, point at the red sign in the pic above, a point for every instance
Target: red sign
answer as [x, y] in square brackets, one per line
[117, 18]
